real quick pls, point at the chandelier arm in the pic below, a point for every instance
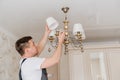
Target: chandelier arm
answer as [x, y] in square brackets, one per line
[76, 41]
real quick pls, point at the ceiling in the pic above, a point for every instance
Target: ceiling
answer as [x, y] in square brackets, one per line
[100, 18]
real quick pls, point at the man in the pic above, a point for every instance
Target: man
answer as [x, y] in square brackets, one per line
[31, 68]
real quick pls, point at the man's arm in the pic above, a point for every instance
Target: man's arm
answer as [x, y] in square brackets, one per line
[57, 54]
[42, 42]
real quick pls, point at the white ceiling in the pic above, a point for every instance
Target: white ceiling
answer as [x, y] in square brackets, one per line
[100, 18]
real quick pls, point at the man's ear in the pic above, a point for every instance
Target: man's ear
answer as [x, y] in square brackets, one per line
[26, 50]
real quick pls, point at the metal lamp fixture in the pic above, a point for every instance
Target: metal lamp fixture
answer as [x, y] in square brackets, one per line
[75, 40]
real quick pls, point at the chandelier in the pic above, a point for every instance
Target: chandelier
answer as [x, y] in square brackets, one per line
[72, 39]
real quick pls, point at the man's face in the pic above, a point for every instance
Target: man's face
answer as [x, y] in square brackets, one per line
[32, 48]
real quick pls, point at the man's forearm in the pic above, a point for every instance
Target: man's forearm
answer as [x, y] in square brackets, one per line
[42, 42]
[54, 58]
[57, 53]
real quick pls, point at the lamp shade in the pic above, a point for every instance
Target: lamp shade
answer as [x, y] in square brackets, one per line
[78, 28]
[52, 33]
[52, 23]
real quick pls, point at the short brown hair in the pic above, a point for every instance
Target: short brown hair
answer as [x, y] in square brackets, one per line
[22, 43]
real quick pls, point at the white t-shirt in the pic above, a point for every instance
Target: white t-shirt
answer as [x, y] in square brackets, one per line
[30, 69]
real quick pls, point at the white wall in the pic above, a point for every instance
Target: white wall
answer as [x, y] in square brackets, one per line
[9, 60]
[8, 56]
[114, 63]
[80, 64]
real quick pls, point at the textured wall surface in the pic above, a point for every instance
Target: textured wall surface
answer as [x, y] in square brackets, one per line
[9, 59]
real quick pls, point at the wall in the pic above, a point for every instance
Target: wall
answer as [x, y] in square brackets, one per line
[9, 59]
[80, 63]
[73, 66]
[114, 64]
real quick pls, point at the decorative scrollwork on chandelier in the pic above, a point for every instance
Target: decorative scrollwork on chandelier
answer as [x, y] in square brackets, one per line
[75, 39]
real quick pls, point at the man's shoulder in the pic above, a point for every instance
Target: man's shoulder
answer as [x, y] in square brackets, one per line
[35, 59]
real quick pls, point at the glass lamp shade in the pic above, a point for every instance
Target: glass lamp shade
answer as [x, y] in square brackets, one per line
[52, 23]
[78, 28]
